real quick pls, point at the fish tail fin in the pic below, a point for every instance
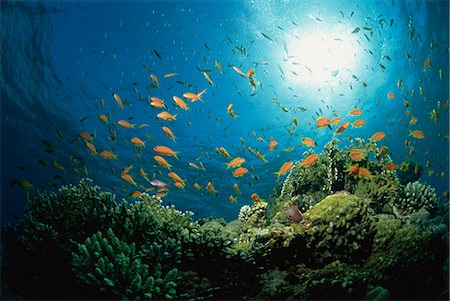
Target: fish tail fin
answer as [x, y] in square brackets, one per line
[175, 117]
[176, 155]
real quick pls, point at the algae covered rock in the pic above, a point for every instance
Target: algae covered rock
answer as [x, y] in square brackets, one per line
[338, 228]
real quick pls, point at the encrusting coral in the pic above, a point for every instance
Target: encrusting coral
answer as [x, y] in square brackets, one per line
[342, 228]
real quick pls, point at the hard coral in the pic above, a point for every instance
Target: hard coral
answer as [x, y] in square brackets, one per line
[418, 196]
[113, 269]
[338, 228]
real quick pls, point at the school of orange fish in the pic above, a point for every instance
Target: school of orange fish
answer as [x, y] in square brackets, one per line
[163, 155]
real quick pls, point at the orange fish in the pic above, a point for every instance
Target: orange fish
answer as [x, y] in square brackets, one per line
[157, 102]
[126, 169]
[108, 154]
[128, 178]
[335, 120]
[179, 185]
[166, 116]
[91, 147]
[322, 122]
[342, 128]
[356, 112]
[135, 194]
[272, 144]
[154, 80]
[210, 188]
[56, 165]
[232, 199]
[358, 123]
[353, 170]
[356, 158]
[125, 124]
[86, 136]
[137, 142]
[179, 102]
[426, 63]
[284, 168]
[164, 150]
[230, 111]
[161, 194]
[377, 136]
[236, 162]
[236, 188]
[391, 166]
[198, 187]
[365, 173]
[161, 161]
[309, 160]
[170, 75]
[194, 97]
[413, 121]
[103, 118]
[390, 95]
[224, 152]
[118, 100]
[308, 142]
[25, 184]
[417, 134]
[168, 133]
[175, 177]
[239, 172]
[357, 151]
[256, 198]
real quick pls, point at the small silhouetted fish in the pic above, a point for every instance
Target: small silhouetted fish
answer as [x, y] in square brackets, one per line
[356, 30]
[158, 54]
[266, 36]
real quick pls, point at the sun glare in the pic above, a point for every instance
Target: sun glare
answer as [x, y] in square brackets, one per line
[319, 56]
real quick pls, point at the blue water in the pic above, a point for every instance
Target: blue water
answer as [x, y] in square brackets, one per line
[60, 58]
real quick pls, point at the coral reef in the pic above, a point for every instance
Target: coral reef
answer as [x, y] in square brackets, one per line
[356, 236]
[417, 196]
[113, 269]
[338, 228]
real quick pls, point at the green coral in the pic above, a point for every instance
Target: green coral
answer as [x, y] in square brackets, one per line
[79, 242]
[338, 228]
[336, 280]
[253, 216]
[382, 190]
[402, 258]
[417, 196]
[113, 269]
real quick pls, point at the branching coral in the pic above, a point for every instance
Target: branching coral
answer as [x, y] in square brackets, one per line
[78, 242]
[418, 196]
[113, 269]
